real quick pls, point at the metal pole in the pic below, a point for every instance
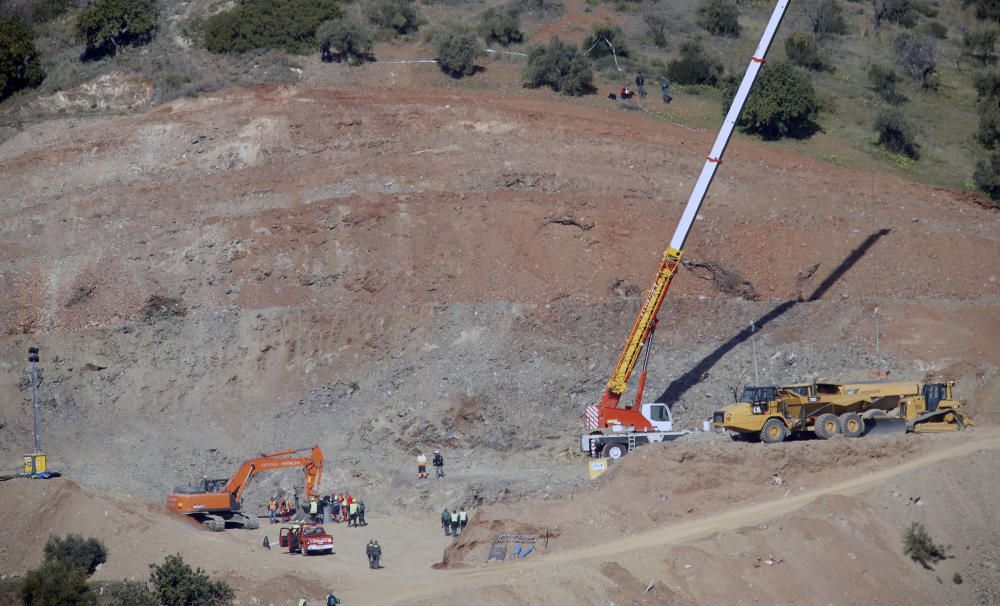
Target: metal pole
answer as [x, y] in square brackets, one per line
[878, 357]
[33, 362]
[753, 344]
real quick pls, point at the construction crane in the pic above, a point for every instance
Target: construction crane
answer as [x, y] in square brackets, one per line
[638, 424]
[217, 502]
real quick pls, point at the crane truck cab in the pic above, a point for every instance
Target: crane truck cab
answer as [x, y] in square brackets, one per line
[621, 436]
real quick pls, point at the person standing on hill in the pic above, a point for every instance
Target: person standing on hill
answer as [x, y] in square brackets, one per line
[361, 513]
[377, 555]
[438, 464]
[640, 82]
[454, 523]
[370, 550]
[446, 522]
[665, 87]
[463, 519]
[421, 466]
[272, 509]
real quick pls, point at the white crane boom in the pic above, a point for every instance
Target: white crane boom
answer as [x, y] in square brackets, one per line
[722, 140]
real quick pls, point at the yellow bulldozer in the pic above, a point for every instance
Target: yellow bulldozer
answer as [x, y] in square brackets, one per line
[772, 414]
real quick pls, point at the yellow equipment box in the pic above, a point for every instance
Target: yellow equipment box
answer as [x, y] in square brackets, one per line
[34, 463]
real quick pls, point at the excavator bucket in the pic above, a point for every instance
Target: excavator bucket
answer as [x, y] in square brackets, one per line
[884, 425]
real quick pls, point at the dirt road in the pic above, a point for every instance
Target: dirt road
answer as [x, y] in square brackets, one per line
[462, 581]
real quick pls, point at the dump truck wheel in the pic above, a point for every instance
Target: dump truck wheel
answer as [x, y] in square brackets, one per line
[774, 431]
[852, 424]
[614, 451]
[827, 425]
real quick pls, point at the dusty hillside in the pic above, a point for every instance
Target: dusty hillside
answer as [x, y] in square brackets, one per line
[786, 544]
[384, 273]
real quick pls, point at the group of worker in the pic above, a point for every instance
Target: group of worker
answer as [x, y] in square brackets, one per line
[331, 600]
[282, 508]
[627, 92]
[454, 521]
[438, 462]
[339, 507]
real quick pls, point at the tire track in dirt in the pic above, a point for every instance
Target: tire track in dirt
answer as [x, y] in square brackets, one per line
[464, 580]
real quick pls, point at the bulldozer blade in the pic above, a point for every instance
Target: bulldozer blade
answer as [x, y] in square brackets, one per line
[882, 426]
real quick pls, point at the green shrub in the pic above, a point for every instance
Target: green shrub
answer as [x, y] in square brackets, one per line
[719, 17]
[782, 103]
[656, 24]
[803, 50]
[37, 11]
[988, 89]
[56, 583]
[988, 86]
[826, 17]
[20, 66]
[895, 133]
[989, 124]
[399, 16]
[900, 12]
[985, 9]
[917, 54]
[884, 80]
[979, 44]
[288, 25]
[457, 49]
[601, 34]
[987, 175]
[176, 584]
[502, 27]
[540, 9]
[345, 38]
[917, 544]
[107, 25]
[694, 66]
[133, 593]
[76, 551]
[561, 67]
[936, 29]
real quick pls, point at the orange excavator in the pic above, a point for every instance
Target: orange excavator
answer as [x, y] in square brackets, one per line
[216, 503]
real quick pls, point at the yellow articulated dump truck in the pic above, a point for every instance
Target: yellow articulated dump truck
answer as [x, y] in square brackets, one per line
[772, 414]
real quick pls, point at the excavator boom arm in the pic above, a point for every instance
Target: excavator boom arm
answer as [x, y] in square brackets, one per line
[313, 465]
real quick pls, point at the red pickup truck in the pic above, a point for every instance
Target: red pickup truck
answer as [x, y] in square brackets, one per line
[306, 539]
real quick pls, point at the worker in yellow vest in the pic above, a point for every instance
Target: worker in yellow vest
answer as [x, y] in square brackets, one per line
[454, 523]
[343, 507]
[463, 519]
[313, 509]
[353, 519]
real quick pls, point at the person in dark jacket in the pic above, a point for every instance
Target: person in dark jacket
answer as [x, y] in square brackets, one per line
[640, 83]
[446, 522]
[438, 464]
[376, 555]
[370, 550]
[665, 86]
[332, 600]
